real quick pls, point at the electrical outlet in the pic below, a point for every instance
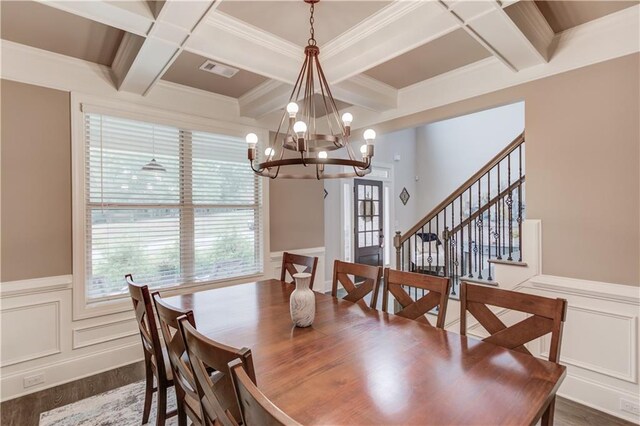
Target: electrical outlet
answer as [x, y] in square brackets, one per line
[630, 406]
[36, 379]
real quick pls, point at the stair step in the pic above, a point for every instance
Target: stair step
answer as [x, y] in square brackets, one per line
[508, 262]
[479, 281]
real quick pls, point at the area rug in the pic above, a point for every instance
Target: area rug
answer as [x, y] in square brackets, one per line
[118, 407]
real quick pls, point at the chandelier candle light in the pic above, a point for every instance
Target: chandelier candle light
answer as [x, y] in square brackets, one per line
[309, 134]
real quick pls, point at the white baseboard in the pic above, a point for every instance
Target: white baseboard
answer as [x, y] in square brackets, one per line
[68, 370]
[598, 396]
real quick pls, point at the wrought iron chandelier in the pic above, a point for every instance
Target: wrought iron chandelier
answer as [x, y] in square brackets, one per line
[313, 130]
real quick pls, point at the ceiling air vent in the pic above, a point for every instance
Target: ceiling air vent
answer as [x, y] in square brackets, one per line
[219, 69]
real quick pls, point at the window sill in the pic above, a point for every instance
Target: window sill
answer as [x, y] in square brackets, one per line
[123, 303]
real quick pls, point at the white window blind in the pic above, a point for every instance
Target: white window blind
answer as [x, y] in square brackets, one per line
[195, 217]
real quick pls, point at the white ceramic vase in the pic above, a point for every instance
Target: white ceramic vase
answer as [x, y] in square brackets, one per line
[302, 301]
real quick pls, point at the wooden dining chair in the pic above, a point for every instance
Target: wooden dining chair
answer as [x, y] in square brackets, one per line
[255, 407]
[216, 394]
[156, 362]
[397, 283]
[289, 262]
[356, 292]
[187, 398]
[547, 316]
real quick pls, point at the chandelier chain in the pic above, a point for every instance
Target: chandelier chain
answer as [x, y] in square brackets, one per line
[312, 40]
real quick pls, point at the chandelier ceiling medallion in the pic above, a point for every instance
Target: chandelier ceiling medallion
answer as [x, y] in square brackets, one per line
[310, 128]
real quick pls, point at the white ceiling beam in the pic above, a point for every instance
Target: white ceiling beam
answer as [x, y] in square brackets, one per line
[140, 64]
[234, 42]
[398, 28]
[534, 26]
[39, 67]
[267, 97]
[133, 16]
[518, 46]
[366, 92]
[604, 39]
[252, 49]
[395, 29]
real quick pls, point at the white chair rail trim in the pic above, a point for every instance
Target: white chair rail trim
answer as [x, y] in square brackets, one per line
[35, 285]
[592, 289]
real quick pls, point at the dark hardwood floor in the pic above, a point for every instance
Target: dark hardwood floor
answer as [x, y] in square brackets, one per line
[25, 411]
[569, 413]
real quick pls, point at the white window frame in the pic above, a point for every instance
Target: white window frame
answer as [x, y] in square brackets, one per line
[82, 307]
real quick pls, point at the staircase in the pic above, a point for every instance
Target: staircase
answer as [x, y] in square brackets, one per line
[477, 226]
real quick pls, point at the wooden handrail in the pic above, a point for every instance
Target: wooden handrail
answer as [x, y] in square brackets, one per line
[464, 187]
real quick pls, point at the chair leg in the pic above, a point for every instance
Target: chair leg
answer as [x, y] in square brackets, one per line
[148, 393]
[547, 417]
[162, 404]
[182, 414]
[182, 417]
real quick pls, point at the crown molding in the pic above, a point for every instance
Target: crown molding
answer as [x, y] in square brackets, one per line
[30, 65]
[261, 90]
[193, 91]
[267, 40]
[369, 26]
[496, 31]
[265, 98]
[132, 16]
[246, 47]
[605, 25]
[373, 84]
[419, 23]
[367, 92]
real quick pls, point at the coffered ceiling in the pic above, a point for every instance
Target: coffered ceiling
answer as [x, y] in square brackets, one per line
[290, 19]
[186, 70]
[40, 26]
[563, 15]
[443, 54]
[373, 52]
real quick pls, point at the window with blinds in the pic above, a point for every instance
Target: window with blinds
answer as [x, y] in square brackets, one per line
[168, 205]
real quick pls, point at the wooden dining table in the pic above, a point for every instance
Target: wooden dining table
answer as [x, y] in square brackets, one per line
[357, 365]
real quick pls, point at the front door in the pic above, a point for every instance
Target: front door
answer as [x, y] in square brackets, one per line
[369, 237]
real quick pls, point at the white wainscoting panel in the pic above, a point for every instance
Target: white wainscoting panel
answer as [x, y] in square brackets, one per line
[29, 332]
[319, 283]
[608, 330]
[600, 345]
[600, 341]
[104, 332]
[40, 336]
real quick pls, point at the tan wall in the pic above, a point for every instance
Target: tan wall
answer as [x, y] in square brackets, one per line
[583, 165]
[36, 189]
[36, 182]
[583, 175]
[296, 214]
